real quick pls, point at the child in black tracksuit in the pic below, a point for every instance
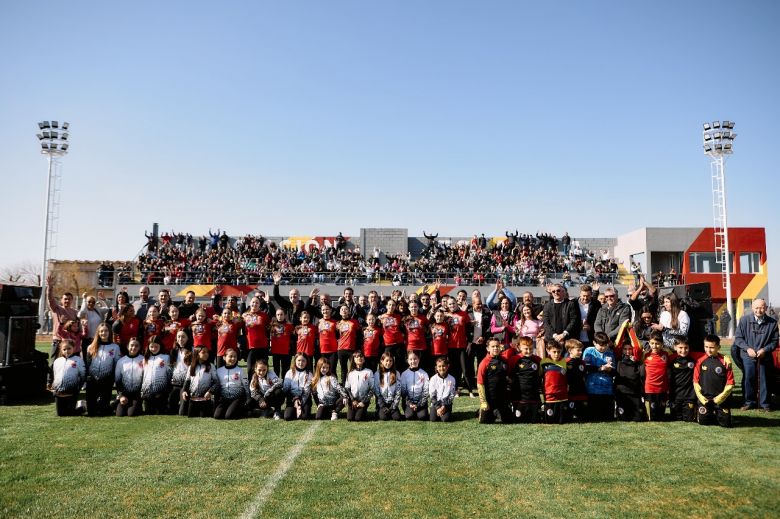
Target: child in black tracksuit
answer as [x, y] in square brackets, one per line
[629, 384]
[526, 382]
[492, 385]
[575, 376]
[713, 380]
[682, 397]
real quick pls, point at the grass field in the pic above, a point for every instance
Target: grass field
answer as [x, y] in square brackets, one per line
[177, 467]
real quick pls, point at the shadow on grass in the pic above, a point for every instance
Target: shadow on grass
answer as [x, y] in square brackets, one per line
[756, 420]
[42, 399]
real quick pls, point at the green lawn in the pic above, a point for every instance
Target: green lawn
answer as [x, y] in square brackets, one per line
[179, 467]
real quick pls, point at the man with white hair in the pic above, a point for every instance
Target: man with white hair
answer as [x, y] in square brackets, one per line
[756, 338]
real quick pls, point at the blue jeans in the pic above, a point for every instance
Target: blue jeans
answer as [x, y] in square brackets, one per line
[751, 366]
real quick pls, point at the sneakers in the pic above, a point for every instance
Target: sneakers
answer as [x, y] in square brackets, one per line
[472, 395]
[747, 408]
[277, 416]
[334, 415]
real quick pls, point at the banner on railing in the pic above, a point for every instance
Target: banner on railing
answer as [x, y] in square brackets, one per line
[307, 243]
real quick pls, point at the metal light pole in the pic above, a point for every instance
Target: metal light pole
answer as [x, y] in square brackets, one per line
[718, 143]
[54, 144]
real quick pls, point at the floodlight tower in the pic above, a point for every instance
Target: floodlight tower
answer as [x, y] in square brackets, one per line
[718, 143]
[54, 140]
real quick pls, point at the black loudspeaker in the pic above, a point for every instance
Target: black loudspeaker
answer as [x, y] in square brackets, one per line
[695, 291]
[695, 299]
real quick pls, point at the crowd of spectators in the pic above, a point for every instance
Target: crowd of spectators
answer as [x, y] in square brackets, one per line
[520, 260]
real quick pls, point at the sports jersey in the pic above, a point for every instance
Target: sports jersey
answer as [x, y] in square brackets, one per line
[180, 368]
[69, 374]
[360, 385]
[440, 339]
[575, 375]
[459, 322]
[263, 387]
[129, 374]
[387, 394]
[306, 339]
[681, 377]
[554, 381]
[416, 329]
[349, 330]
[280, 337]
[202, 334]
[628, 377]
[170, 330]
[491, 380]
[127, 330]
[227, 336]
[202, 381]
[326, 329]
[414, 386]
[656, 372]
[232, 383]
[157, 375]
[441, 391]
[151, 329]
[598, 382]
[525, 374]
[297, 385]
[372, 341]
[103, 364]
[257, 330]
[713, 379]
[328, 391]
[391, 329]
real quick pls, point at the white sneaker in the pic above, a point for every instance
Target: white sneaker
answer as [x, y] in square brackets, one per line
[277, 416]
[334, 415]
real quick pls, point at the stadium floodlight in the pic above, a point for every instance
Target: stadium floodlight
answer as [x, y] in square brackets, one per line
[718, 145]
[54, 145]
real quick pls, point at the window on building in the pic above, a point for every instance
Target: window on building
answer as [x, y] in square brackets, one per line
[706, 263]
[749, 262]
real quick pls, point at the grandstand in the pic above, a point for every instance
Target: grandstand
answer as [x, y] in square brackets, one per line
[379, 258]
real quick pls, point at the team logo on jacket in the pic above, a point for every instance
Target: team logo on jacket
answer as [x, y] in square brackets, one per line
[162, 363]
[582, 368]
[719, 370]
[702, 410]
[550, 412]
[73, 364]
[690, 365]
[534, 366]
[235, 376]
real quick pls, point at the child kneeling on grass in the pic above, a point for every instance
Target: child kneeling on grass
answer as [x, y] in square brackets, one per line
[265, 391]
[387, 388]
[556, 390]
[359, 387]
[69, 375]
[492, 385]
[328, 394]
[199, 386]
[713, 380]
[297, 390]
[157, 378]
[129, 377]
[414, 388]
[441, 391]
[233, 391]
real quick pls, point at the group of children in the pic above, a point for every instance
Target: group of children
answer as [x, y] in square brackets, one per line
[602, 382]
[597, 383]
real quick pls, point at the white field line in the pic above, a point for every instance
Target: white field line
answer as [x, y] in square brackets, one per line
[257, 503]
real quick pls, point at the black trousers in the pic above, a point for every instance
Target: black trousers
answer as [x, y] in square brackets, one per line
[712, 414]
[526, 412]
[174, 400]
[199, 408]
[133, 406]
[629, 408]
[99, 396]
[578, 411]
[498, 409]
[324, 411]
[656, 406]
[156, 404]
[229, 409]
[434, 415]
[398, 351]
[386, 413]
[66, 405]
[420, 414]
[344, 357]
[474, 353]
[273, 403]
[684, 410]
[290, 413]
[357, 414]
[281, 363]
[458, 367]
[601, 407]
[372, 363]
[555, 412]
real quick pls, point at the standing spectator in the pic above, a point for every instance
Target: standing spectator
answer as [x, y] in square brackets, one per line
[642, 297]
[93, 314]
[561, 317]
[673, 322]
[612, 315]
[142, 305]
[61, 312]
[756, 338]
[566, 243]
[292, 307]
[589, 309]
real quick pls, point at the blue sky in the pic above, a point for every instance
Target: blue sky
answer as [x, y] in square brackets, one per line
[455, 117]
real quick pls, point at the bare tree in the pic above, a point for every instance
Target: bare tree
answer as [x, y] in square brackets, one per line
[23, 273]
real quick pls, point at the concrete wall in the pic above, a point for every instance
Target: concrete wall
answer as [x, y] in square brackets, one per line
[392, 241]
